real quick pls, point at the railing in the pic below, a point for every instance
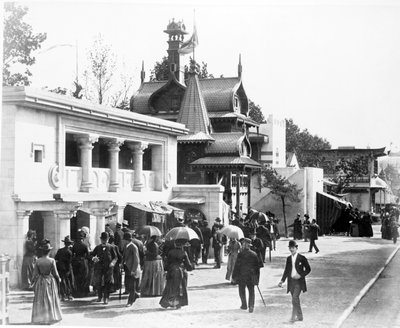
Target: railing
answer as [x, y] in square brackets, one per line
[101, 179]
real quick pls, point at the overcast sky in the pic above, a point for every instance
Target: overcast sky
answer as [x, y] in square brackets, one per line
[332, 66]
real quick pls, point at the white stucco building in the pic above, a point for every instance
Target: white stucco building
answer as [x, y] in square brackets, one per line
[66, 163]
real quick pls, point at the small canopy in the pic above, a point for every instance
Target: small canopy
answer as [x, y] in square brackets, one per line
[187, 200]
[377, 183]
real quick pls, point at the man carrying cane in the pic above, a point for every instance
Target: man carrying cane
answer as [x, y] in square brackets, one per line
[246, 273]
[296, 269]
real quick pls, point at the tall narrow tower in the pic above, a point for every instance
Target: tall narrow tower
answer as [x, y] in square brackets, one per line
[176, 31]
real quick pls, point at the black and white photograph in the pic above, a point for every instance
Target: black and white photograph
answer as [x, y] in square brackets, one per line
[216, 163]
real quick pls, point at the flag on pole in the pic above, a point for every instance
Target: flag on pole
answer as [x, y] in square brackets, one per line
[189, 45]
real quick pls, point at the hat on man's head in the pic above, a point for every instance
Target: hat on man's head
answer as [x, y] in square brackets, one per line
[218, 220]
[118, 225]
[67, 240]
[104, 235]
[246, 240]
[306, 216]
[292, 243]
[125, 223]
[298, 214]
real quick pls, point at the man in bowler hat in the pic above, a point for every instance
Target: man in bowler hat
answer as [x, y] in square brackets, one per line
[246, 273]
[296, 270]
[104, 258]
[131, 263]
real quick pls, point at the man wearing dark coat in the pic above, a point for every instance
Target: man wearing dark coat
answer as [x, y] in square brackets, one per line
[257, 247]
[104, 258]
[297, 233]
[217, 242]
[64, 266]
[196, 244]
[139, 244]
[131, 262]
[314, 229]
[80, 256]
[206, 232]
[118, 236]
[296, 270]
[246, 273]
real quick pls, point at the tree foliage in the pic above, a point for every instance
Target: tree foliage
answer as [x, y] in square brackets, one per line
[298, 140]
[281, 188]
[19, 42]
[101, 71]
[160, 72]
[255, 112]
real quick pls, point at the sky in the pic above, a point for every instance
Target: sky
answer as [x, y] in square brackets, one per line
[331, 66]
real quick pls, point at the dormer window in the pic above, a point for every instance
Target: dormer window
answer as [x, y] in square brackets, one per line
[236, 104]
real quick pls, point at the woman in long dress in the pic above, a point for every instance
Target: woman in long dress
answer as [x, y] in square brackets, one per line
[28, 262]
[233, 250]
[153, 273]
[175, 291]
[46, 303]
[80, 256]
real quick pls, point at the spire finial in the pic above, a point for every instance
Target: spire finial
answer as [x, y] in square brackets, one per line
[240, 66]
[142, 73]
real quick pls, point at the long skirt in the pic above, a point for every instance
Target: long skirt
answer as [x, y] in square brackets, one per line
[82, 278]
[231, 264]
[152, 278]
[46, 304]
[28, 263]
[175, 291]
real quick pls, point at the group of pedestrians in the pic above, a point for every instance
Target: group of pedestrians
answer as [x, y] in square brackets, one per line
[308, 228]
[76, 266]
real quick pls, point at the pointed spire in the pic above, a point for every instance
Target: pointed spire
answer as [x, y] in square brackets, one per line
[193, 112]
[142, 73]
[240, 66]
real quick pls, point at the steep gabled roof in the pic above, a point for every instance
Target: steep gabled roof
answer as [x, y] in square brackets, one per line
[140, 101]
[228, 143]
[218, 92]
[193, 111]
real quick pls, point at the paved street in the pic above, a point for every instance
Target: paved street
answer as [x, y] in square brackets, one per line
[380, 306]
[341, 269]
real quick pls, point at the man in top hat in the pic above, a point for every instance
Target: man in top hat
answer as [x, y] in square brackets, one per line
[246, 273]
[64, 266]
[104, 258]
[131, 262]
[296, 270]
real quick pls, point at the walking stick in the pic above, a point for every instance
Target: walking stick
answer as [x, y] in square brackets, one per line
[261, 296]
[120, 284]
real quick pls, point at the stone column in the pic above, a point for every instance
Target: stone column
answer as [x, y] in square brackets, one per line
[137, 150]
[86, 145]
[100, 215]
[113, 149]
[120, 213]
[63, 224]
[22, 229]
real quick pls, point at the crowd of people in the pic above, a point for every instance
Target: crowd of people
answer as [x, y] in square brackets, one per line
[149, 265]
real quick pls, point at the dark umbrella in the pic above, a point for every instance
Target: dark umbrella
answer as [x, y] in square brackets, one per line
[149, 231]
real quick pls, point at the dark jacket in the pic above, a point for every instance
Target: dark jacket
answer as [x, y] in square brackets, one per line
[314, 229]
[303, 269]
[106, 254]
[206, 232]
[63, 259]
[247, 270]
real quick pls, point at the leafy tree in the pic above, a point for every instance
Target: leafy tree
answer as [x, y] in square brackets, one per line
[255, 112]
[297, 141]
[160, 72]
[99, 76]
[18, 44]
[120, 99]
[281, 188]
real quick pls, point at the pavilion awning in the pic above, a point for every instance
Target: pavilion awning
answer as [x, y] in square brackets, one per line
[187, 200]
[226, 161]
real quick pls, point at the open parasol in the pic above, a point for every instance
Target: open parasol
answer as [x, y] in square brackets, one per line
[181, 233]
[260, 217]
[232, 231]
[149, 231]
